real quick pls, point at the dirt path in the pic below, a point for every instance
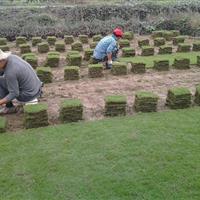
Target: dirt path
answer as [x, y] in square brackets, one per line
[92, 91]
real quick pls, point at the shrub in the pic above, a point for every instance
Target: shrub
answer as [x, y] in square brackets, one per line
[88, 53]
[83, 39]
[181, 63]
[69, 39]
[161, 65]
[95, 70]
[71, 73]
[36, 40]
[119, 68]
[24, 48]
[77, 46]
[60, 46]
[165, 50]
[147, 51]
[178, 98]
[43, 47]
[138, 68]
[51, 40]
[128, 52]
[35, 115]
[115, 105]
[159, 41]
[71, 110]
[145, 101]
[45, 74]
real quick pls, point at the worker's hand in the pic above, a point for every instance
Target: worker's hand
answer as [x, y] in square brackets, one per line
[109, 64]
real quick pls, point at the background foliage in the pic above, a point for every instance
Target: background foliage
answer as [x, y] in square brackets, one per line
[132, 15]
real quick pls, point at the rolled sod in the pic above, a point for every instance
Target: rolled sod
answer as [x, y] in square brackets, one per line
[197, 95]
[71, 73]
[35, 115]
[178, 98]
[3, 124]
[119, 68]
[115, 105]
[138, 67]
[44, 74]
[95, 70]
[71, 110]
[145, 101]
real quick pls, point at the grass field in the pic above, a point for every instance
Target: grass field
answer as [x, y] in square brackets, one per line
[149, 60]
[149, 156]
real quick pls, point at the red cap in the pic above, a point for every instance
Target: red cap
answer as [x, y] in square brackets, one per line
[118, 32]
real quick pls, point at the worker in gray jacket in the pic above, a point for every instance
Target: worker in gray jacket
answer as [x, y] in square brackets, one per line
[19, 81]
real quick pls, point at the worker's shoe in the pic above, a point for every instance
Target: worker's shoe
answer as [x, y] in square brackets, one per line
[8, 110]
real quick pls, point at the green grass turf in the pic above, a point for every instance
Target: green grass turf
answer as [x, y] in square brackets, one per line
[149, 60]
[150, 156]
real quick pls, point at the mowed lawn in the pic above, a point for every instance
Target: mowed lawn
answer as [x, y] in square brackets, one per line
[147, 156]
[149, 60]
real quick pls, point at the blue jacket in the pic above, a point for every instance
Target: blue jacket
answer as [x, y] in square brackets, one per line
[106, 45]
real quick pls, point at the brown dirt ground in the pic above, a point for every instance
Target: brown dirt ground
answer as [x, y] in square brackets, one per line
[93, 91]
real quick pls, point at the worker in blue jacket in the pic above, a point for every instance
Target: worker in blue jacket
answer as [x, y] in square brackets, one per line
[107, 48]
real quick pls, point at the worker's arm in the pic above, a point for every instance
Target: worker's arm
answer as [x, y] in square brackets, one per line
[13, 88]
[3, 101]
[109, 51]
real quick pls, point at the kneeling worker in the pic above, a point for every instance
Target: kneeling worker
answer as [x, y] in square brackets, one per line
[19, 81]
[107, 48]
